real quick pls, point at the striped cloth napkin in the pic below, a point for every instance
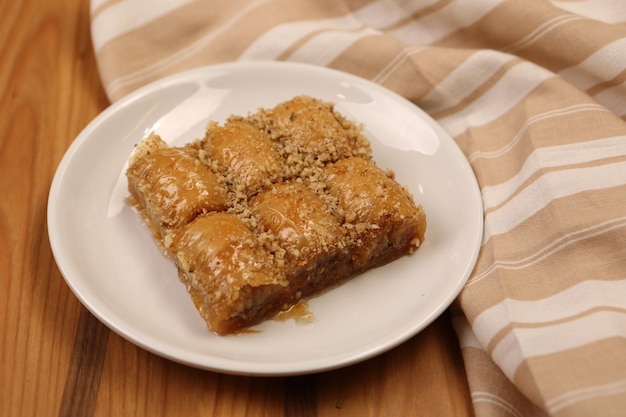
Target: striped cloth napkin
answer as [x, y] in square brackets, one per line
[534, 93]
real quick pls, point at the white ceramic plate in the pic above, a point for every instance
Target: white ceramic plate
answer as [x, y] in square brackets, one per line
[110, 262]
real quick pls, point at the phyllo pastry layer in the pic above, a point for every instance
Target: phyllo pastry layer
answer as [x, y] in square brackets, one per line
[269, 209]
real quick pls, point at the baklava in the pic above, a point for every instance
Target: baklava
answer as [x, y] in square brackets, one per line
[271, 208]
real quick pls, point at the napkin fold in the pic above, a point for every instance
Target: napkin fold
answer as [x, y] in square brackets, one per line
[534, 93]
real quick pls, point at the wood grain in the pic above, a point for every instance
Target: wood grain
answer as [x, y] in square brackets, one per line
[85, 369]
[56, 359]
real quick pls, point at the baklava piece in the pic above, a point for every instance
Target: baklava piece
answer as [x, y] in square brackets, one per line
[269, 209]
[244, 154]
[380, 215]
[171, 186]
[231, 277]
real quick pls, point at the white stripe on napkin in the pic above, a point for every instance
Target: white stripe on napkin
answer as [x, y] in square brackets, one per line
[553, 156]
[547, 188]
[524, 343]
[124, 16]
[513, 87]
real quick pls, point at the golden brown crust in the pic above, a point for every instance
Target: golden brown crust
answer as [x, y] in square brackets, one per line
[244, 154]
[173, 186]
[378, 212]
[271, 208]
[222, 260]
[300, 221]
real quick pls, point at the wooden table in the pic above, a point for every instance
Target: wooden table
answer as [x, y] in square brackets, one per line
[57, 359]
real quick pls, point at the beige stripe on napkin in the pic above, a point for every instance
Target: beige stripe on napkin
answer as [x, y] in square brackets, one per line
[534, 93]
